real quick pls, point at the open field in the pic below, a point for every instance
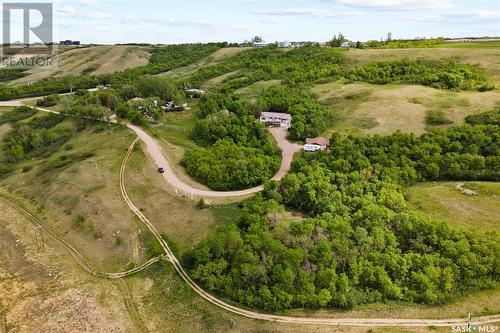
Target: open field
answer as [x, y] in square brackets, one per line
[213, 59]
[382, 109]
[95, 60]
[257, 88]
[442, 201]
[213, 83]
[81, 200]
[43, 290]
[479, 44]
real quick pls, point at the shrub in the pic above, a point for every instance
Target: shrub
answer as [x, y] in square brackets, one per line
[17, 114]
[436, 117]
[79, 222]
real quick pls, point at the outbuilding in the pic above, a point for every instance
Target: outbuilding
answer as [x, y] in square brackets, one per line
[319, 141]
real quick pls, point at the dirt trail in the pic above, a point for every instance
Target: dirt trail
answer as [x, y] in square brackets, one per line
[128, 299]
[80, 259]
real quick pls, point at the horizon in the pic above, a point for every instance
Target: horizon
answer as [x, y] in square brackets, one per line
[177, 22]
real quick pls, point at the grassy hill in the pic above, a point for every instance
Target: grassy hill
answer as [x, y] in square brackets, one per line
[94, 60]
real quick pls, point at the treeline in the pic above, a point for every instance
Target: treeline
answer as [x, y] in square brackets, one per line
[27, 140]
[313, 64]
[487, 118]
[442, 75]
[307, 64]
[50, 85]
[17, 114]
[405, 43]
[40, 137]
[361, 244]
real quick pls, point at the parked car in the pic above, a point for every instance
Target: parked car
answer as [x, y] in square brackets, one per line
[161, 170]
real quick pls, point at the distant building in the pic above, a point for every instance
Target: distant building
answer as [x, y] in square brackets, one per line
[284, 44]
[70, 42]
[276, 119]
[260, 44]
[348, 44]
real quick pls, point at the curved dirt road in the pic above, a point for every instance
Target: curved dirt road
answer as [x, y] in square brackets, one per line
[288, 149]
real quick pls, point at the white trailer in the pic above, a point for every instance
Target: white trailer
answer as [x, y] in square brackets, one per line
[312, 148]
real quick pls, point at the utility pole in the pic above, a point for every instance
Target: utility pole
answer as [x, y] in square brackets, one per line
[40, 244]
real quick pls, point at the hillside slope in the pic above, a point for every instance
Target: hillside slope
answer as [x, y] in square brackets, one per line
[94, 60]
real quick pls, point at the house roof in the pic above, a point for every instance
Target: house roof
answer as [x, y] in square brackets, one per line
[318, 141]
[284, 116]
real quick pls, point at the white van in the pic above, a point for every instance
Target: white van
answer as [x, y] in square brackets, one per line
[311, 148]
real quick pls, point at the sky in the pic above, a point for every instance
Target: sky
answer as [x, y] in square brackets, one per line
[183, 21]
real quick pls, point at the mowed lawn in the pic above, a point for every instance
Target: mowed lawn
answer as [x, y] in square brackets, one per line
[443, 201]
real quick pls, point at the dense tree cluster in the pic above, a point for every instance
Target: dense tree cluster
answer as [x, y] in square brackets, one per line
[152, 92]
[229, 166]
[35, 138]
[361, 243]
[47, 101]
[442, 75]
[302, 65]
[404, 44]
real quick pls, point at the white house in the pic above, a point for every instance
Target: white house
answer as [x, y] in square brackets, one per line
[285, 44]
[276, 119]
